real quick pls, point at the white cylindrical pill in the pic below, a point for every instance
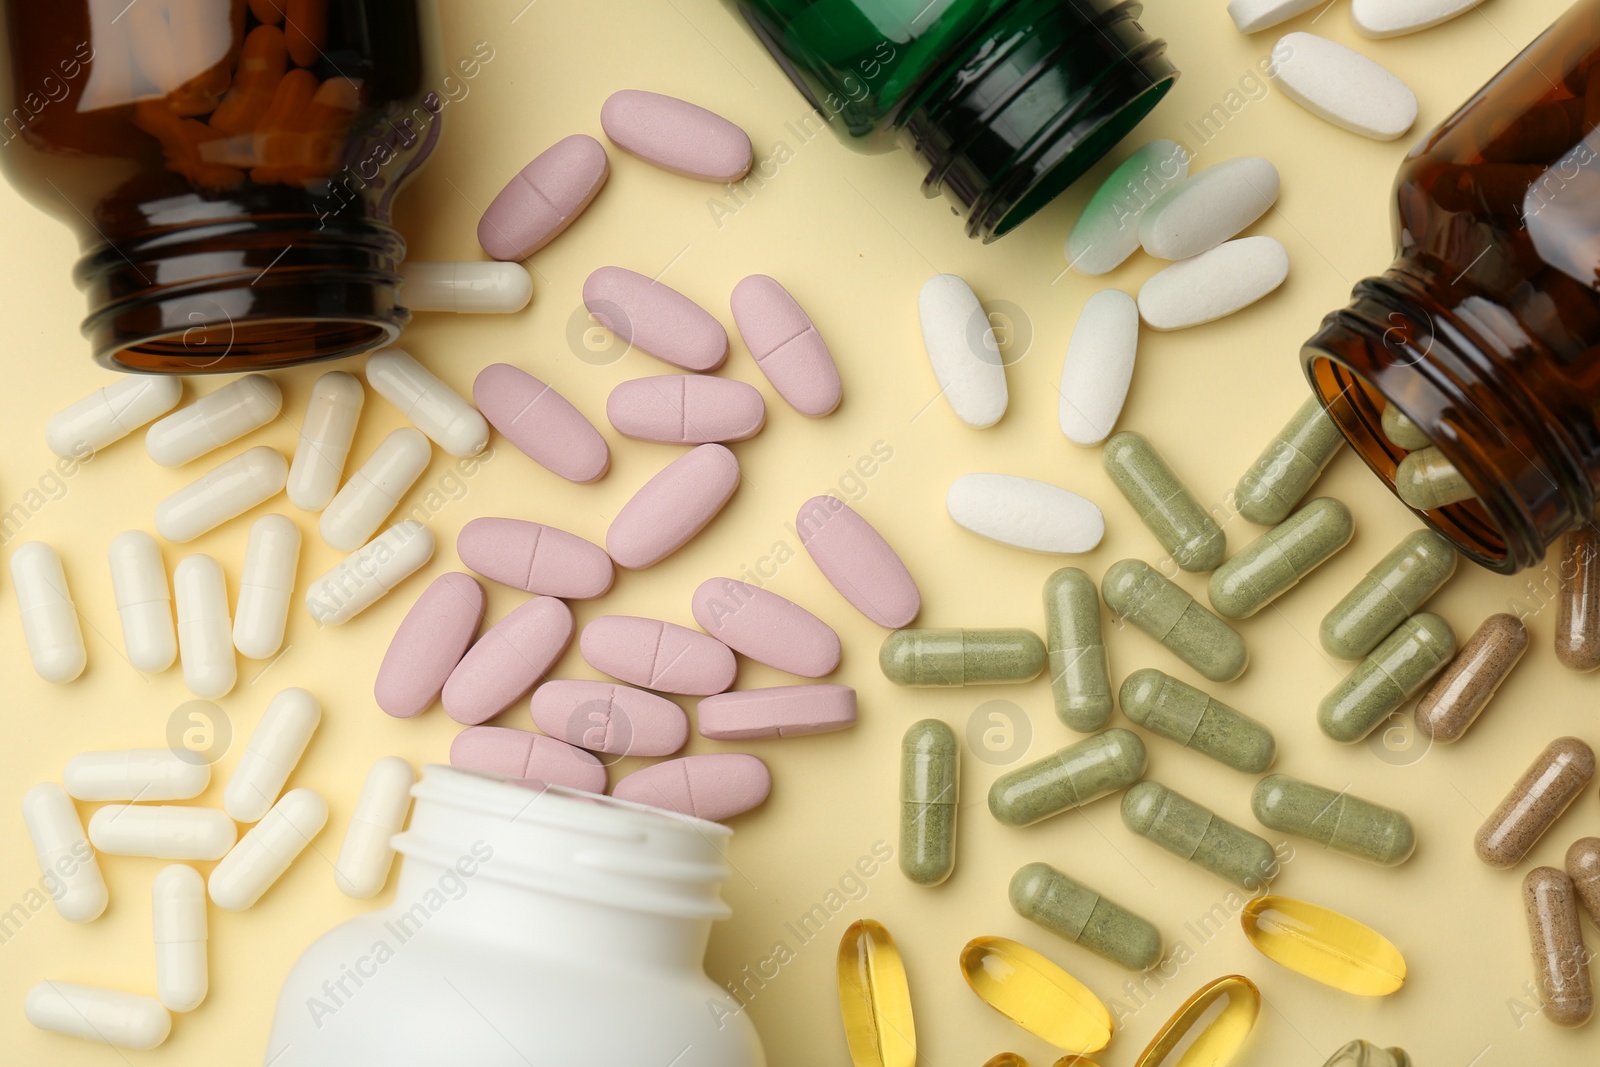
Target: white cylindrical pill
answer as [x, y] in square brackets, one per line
[66, 861]
[469, 287]
[325, 436]
[108, 1016]
[263, 854]
[178, 904]
[205, 637]
[110, 414]
[214, 420]
[275, 747]
[366, 855]
[144, 603]
[361, 578]
[266, 585]
[147, 774]
[432, 406]
[49, 618]
[222, 493]
[373, 491]
[163, 831]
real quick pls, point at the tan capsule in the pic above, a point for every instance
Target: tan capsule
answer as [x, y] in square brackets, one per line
[1560, 959]
[1551, 783]
[1578, 606]
[1427, 481]
[1460, 694]
[1583, 867]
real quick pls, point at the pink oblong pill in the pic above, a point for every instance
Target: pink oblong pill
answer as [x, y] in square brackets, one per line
[541, 422]
[657, 655]
[713, 785]
[544, 198]
[766, 627]
[858, 561]
[535, 558]
[606, 717]
[786, 346]
[686, 409]
[655, 318]
[676, 135]
[526, 757]
[505, 662]
[428, 644]
[782, 711]
[669, 509]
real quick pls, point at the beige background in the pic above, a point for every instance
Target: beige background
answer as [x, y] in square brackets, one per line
[851, 237]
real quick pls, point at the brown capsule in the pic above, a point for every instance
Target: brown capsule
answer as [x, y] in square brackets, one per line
[1560, 959]
[1583, 867]
[1578, 607]
[1554, 779]
[1460, 694]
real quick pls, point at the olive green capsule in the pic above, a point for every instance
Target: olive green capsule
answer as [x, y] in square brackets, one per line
[1079, 677]
[1180, 712]
[1401, 431]
[1135, 591]
[1392, 673]
[1071, 910]
[1342, 822]
[1427, 481]
[930, 776]
[1294, 459]
[1198, 835]
[1391, 592]
[1067, 778]
[960, 657]
[1364, 1053]
[1275, 562]
[1185, 529]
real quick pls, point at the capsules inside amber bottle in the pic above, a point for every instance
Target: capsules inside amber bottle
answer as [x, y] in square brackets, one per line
[1035, 994]
[874, 998]
[1324, 946]
[1210, 1028]
[1578, 606]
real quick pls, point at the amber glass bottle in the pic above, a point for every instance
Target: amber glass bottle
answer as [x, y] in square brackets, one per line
[228, 167]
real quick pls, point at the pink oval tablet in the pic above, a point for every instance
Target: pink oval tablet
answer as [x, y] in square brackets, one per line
[535, 558]
[782, 711]
[676, 135]
[858, 561]
[544, 198]
[541, 422]
[506, 661]
[657, 655]
[428, 644]
[606, 717]
[714, 785]
[669, 509]
[686, 409]
[656, 318]
[765, 627]
[526, 757]
[786, 346]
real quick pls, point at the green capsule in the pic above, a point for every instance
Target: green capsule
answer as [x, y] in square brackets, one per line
[1180, 712]
[1364, 1053]
[1136, 592]
[1185, 529]
[1343, 822]
[1393, 673]
[1079, 677]
[1391, 593]
[1067, 778]
[960, 657]
[1275, 562]
[1069, 909]
[1197, 834]
[1292, 460]
[1401, 431]
[1427, 481]
[930, 776]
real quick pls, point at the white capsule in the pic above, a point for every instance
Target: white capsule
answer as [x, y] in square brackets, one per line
[163, 831]
[432, 406]
[325, 435]
[65, 859]
[225, 491]
[108, 1016]
[110, 414]
[214, 420]
[466, 287]
[205, 637]
[366, 855]
[962, 350]
[263, 854]
[144, 603]
[146, 774]
[275, 747]
[49, 618]
[374, 491]
[178, 906]
[266, 585]
[357, 582]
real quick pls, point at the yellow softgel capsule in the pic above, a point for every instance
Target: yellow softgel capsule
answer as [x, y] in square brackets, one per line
[1007, 1059]
[1035, 994]
[874, 998]
[1324, 945]
[1210, 1028]
[1075, 1061]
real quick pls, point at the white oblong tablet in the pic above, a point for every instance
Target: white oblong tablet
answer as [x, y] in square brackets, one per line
[49, 618]
[1391, 18]
[1206, 209]
[1344, 87]
[262, 855]
[271, 557]
[1107, 232]
[375, 489]
[146, 774]
[1023, 513]
[214, 420]
[162, 831]
[472, 287]
[366, 855]
[1252, 15]
[70, 871]
[962, 350]
[325, 435]
[276, 745]
[224, 492]
[361, 578]
[110, 414]
[1213, 284]
[178, 913]
[1099, 366]
[107, 1016]
[144, 603]
[431, 405]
